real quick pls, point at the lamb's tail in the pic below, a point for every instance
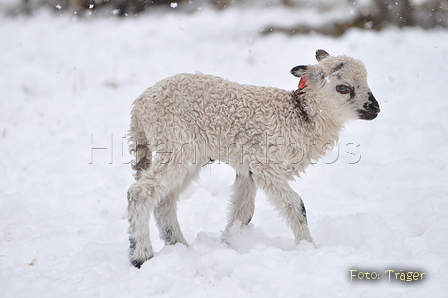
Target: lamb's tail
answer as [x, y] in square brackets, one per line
[138, 143]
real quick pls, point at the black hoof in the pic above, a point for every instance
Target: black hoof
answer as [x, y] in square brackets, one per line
[137, 263]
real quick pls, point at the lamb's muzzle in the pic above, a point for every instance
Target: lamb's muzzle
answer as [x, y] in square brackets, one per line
[371, 109]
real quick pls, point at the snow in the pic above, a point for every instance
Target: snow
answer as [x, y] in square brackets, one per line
[377, 202]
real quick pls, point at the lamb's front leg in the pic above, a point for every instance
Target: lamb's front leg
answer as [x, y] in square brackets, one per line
[289, 204]
[242, 202]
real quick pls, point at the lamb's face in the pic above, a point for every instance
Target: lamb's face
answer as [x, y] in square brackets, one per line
[342, 83]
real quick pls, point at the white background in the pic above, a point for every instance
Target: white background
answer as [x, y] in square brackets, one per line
[63, 227]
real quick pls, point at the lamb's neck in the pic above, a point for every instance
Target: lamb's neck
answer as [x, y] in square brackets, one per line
[316, 116]
[302, 106]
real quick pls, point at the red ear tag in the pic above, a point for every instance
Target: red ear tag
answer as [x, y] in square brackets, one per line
[302, 82]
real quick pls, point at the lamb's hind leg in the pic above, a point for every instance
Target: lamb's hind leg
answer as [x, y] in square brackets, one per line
[166, 212]
[153, 185]
[242, 201]
[165, 215]
[140, 202]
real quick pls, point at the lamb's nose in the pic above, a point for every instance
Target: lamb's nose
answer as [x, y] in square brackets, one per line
[373, 104]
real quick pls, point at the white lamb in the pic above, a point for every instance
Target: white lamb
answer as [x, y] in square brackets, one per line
[267, 135]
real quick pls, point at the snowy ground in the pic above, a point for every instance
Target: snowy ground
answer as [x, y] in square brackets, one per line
[379, 202]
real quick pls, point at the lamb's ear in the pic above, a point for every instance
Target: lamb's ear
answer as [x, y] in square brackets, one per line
[299, 71]
[321, 55]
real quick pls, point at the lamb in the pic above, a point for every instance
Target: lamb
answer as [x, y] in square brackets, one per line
[268, 135]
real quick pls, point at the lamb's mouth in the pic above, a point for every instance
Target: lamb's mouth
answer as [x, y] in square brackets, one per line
[367, 115]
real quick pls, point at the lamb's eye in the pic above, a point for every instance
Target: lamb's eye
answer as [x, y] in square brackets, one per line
[344, 89]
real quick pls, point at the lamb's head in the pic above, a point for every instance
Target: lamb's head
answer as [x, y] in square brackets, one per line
[342, 83]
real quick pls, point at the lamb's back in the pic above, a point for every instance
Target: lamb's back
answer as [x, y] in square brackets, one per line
[199, 102]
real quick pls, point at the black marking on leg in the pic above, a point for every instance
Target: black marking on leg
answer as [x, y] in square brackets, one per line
[304, 212]
[248, 221]
[168, 237]
[132, 243]
[132, 246]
